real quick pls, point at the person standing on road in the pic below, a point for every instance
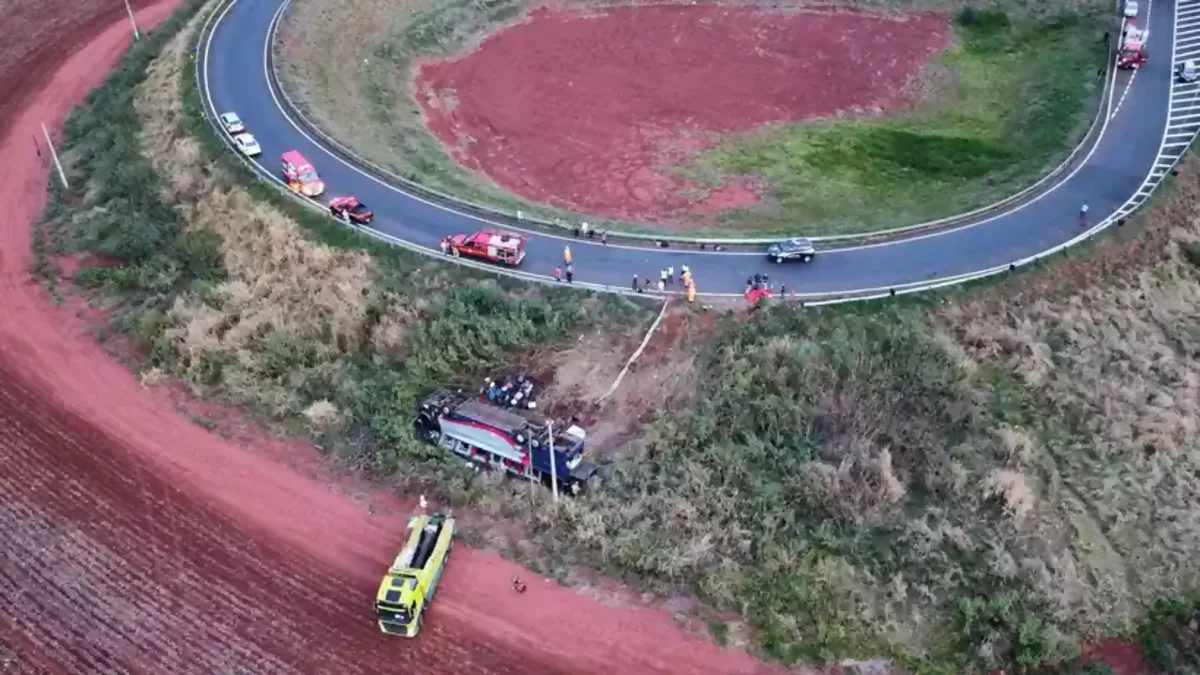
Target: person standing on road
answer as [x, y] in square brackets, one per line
[604, 237]
[558, 274]
[1083, 211]
[445, 246]
[662, 276]
[567, 255]
[635, 282]
[671, 275]
[570, 274]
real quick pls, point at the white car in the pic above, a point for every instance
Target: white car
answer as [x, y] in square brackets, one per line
[232, 123]
[1131, 9]
[247, 144]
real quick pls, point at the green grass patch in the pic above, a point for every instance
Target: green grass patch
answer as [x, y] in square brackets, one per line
[1007, 102]
[1170, 634]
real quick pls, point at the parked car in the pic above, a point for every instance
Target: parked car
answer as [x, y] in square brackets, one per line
[232, 123]
[1131, 9]
[350, 207]
[247, 145]
[792, 249]
[1187, 71]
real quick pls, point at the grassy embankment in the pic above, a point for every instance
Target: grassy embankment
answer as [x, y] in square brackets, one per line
[1002, 107]
[962, 484]
[357, 90]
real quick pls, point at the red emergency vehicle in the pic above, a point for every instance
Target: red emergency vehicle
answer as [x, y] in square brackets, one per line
[300, 175]
[498, 247]
[1132, 54]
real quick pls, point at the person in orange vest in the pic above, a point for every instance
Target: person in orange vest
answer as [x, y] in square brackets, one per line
[686, 277]
[566, 255]
[691, 293]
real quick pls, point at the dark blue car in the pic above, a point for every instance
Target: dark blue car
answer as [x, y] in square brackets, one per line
[791, 249]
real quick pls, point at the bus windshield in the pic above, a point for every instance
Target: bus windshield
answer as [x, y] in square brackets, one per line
[393, 612]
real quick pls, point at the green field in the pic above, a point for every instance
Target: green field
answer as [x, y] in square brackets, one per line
[1004, 106]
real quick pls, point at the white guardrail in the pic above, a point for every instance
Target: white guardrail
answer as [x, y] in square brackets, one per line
[1100, 120]
[1151, 182]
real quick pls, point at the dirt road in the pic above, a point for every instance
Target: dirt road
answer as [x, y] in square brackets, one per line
[136, 541]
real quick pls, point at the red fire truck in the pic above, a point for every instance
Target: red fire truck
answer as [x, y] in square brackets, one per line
[498, 247]
[1132, 54]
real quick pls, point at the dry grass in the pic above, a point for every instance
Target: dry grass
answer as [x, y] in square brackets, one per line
[1116, 363]
[662, 379]
[325, 72]
[282, 290]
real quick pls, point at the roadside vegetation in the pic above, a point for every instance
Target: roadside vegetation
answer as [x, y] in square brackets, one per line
[961, 482]
[1015, 92]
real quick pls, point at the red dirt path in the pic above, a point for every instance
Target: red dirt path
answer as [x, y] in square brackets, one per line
[135, 541]
[53, 26]
[590, 111]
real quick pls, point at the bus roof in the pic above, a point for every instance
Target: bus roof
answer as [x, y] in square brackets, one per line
[497, 418]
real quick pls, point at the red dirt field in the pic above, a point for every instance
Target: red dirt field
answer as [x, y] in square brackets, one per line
[135, 541]
[591, 111]
[53, 27]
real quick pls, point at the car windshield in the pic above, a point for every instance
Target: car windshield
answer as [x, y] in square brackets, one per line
[308, 175]
[246, 140]
[359, 208]
[232, 119]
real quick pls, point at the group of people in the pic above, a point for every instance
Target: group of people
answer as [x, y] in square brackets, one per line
[513, 392]
[585, 230]
[666, 279]
[758, 282]
[570, 269]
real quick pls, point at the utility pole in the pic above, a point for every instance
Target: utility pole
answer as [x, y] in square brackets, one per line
[530, 476]
[136, 34]
[553, 461]
[58, 165]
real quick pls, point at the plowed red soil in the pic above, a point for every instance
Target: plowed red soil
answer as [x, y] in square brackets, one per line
[135, 541]
[52, 27]
[591, 111]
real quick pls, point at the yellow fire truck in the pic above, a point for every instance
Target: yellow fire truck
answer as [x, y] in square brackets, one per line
[410, 582]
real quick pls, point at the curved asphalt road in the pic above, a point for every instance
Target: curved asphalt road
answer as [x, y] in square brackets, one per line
[1127, 162]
